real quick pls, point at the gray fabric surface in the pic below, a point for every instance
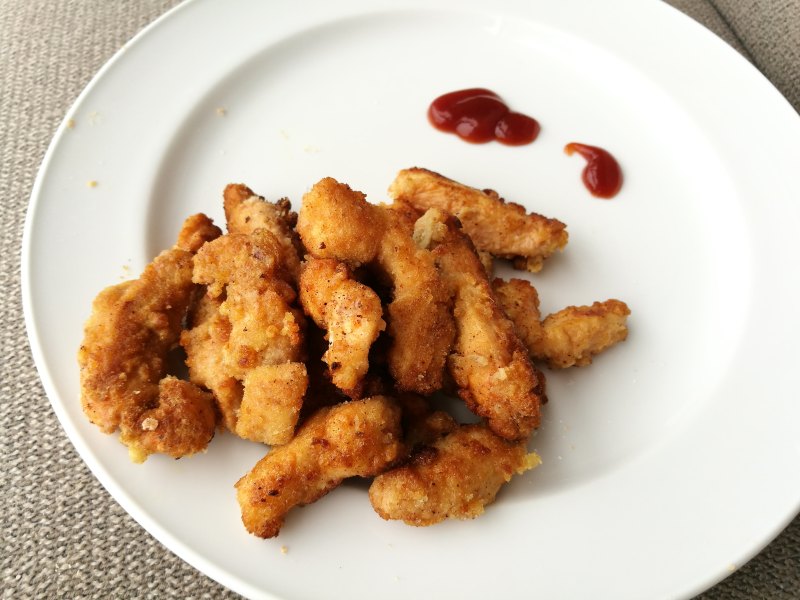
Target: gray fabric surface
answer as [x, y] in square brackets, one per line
[770, 30]
[63, 536]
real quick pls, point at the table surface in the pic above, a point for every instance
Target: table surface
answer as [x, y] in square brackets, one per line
[63, 535]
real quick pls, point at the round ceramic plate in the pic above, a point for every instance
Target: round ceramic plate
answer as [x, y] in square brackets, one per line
[666, 464]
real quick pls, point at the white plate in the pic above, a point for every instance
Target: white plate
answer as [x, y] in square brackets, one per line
[667, 464]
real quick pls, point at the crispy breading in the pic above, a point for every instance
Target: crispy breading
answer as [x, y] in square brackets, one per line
[337, 222]
[360, 438]
[123, 356]
[203, 340]
[351, 314]
[254, 325]
[503, 229]
[265, 330]
[270, 408]
[569, 337]
[489, 363]
[487, 261]
[520, 301]
[196, 231]
[321, 391]
[245, 211]
[455, 477]
[421, 424]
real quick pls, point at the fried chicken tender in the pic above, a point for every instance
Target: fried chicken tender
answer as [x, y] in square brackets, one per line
[181, 424]
[336, 222]
[455, 477]
[574, 335]
[489, 363]
[250, 324]
[123, 357]
[569, 337]
[360, 438]
[245, 212]
[349, 311]
[501, 228]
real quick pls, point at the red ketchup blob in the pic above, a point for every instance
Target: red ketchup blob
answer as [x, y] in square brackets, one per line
[602, 175]
[479, 115]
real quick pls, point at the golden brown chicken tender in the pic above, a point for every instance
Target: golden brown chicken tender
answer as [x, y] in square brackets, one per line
[350, 312]
[132, 328]
[249, 324]
[489, 363]
[574, 335]
[360, 438]
[336, 222]
[501, 228]
[245, 212]
[181, 424]
[455, 477]
[569, 337]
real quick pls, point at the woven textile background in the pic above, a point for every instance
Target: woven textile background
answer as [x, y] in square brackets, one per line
[63, 535]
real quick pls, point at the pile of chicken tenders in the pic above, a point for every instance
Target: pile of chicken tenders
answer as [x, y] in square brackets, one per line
[324, 335]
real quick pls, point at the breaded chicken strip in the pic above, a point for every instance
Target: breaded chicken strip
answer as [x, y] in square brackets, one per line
[349, 311]
[569, 337]
[455, 477]
[573, 335]
[181, 424]
[489, 363]
[360, 438]
[263, 330]
[132, 328]
[336, 222]
[245, 212]
[501, 228]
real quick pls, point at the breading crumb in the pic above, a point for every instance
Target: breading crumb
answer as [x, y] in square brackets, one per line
[221, 112]
[91, 183]
[284, 550]
[150, 424]
[70, 123]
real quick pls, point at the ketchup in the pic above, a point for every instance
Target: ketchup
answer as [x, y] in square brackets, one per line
[479, 115]
[602, 175]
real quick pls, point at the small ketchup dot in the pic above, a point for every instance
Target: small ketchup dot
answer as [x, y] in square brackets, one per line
[602, 175]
